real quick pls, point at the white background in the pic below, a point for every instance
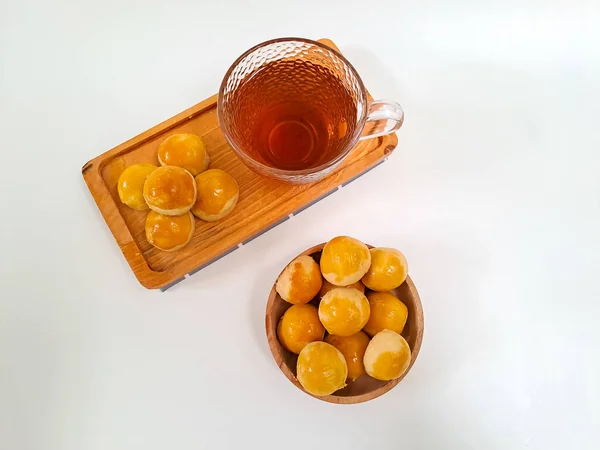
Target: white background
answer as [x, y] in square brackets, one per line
[493, 194]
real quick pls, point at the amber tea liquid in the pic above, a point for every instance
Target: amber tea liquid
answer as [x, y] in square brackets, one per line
[294, 115]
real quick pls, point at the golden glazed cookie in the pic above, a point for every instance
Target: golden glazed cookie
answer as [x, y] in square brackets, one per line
[344, 260]
[170, 190]
[131, 185]
[184, 150]
[218, 193]
[169, 233]
[387, 356]
[353, 348]
[321, 368]
[300, 281]
[387, 312]
[344, 311]
[299, 326]
[388, 269]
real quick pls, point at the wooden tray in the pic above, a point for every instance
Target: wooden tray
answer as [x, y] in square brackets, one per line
[263, 203]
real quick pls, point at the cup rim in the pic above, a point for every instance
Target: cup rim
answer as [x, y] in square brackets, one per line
[360, 123]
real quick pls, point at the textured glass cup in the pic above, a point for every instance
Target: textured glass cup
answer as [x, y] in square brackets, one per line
[293, 109]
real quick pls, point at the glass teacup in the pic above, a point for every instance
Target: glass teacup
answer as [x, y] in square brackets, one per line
[293, 109]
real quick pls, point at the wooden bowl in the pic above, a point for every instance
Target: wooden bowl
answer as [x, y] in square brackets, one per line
[363, 388]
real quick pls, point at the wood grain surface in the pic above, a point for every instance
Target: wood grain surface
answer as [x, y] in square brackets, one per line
[263, 202]
[364, 388]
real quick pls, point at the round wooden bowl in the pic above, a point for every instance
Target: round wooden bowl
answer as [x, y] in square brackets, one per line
[363, 388]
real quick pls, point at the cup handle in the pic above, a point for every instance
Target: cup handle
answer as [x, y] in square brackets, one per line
[384, 117]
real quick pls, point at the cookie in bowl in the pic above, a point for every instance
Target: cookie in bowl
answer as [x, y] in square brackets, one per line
[344, 311]
[321, 368]
[345, 260]
[299, 326]
[353, 348]
[387, 312]
[300, 281]
[387, 356]
[388, 269]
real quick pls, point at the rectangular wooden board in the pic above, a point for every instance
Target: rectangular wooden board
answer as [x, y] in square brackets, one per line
[263, 202]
